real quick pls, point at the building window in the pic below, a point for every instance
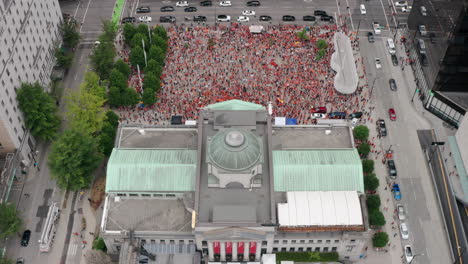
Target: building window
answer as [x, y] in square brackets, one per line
[190, 241]
[170, 195]
[153, 241]
[293, 241]
[11, 121]
[352, 241]
[302, 241]
[143, 241]
[181, 242]
[276, 242]
[337, 241]
[292, 249]
[349, 248]
[309, 249]
[328, 241]
[301, 249]
[283, 249]
[346, 257]
[133, 195]
[171, 241]
[285, 241]
[317, 249]
[121, 194]
[275, 249]
[325, 249]
[162, 242]
[334, 249]
[204, 244]
[319, 241]
[157, 195]
[16, 131]
[311, 241]
[264, 243]
[146, 195]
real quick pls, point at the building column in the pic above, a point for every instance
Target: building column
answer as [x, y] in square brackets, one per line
[258, 252]
[234, 251]
[246, 250]
[223, 251]
[210, 251]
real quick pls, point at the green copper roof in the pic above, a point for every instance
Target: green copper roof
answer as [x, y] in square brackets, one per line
[317, 170]
[235, 105]
[234, 149]
[134, 170]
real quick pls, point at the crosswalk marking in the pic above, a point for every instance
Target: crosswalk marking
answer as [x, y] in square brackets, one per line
[72, 250]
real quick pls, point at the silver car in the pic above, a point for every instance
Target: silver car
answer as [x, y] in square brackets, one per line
[401, 212]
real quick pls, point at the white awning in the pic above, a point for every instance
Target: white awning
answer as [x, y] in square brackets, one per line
[190, 122]
[256, 29]
[341, 208]
[280, 121]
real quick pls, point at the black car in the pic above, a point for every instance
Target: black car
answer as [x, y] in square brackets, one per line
[394, 60]
[167, 8]
[25, 238]
[337, 115]
[143, 9]
[326, 18]
[199, 18]
[289, 18]
[392, 83]
[265, 18]
[128, 20]
[20, 261]
[392, 172]
[381, 127]
[308, 18]
[370, 37]
[423, 60]
[190, 9]
[432, 37]
[206, 3]
[355, 115]
[253, 3]
[167, 19]
[320, 13]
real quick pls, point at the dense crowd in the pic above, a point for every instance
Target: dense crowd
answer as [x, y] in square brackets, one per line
[205, 65]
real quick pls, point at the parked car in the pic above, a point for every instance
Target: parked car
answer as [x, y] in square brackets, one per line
[432, 37]
[190, 9]
[145, 19]
[248, 13]
[206, 3]
[318, 116]
[143, 9]
[394, 60]
[404, 231]
[20, 261]
[408, 253]
[378, 63]
[406, 9]
[128, 20]
[320, 109]
[423, 10]
[392, 172]
[362, 8]
[401, 3]
[320, 13]
[199, 18]
[355, 115]
[337, 115]
[224, 18]
[376, 27]
[308, 18]
[225, 3]
[381, 127]
[167, 19]
[401, 212]
[182, 4]
[167, 8]
[370, 37]
[392, 114]
[25, 238]
[396, 192]
[422, 30]
[243, 19]
[327, 18]
[265, 18]
[289, 18]
[253, 3]
[392, 84]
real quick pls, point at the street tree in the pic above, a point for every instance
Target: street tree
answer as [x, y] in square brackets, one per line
[40, 111]
[102, 59]
[160, 31]
[361, 132]
[73, 159]
[150, 81]
[109, 30]
[71, 36]
[129, 31]
[154, 67]
[148, 97]
[10, 222]
[123, 67]
[367, 166]
[138, 39]
[130, 97]
[108, 132]
[4, 260]
[117, 79]
[64, 59]
[376, 218]
[156, 53]
[137, 57]
[114, 96]
[371, 182]
[364, 149]
[373, 202]
[160, 42]
[97, 257]
[380, 239]
[92, 84]
[143, 29]
[85, 111]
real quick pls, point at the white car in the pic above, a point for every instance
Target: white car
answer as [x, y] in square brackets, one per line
[422, 30]
[243, 19]
[401, 3]
[318, 116]
[406, 9]
[363, 9]
[404, 231]
[248, 13]
[378, 63]
[376, 27]
[408, 253]
[145, 19]
[401, 212]
[225, 3]
[224, 18]
[182, 4]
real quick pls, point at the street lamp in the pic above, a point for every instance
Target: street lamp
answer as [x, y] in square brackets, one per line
[414, 256]
[435, 143]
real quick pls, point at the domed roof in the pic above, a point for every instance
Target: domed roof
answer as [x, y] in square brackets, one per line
[234, 149]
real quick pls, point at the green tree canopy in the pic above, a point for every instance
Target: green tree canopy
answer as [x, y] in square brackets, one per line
[367, 166]
[150, 81]
[380, 239]
[109, 29]
[85, 111]
[130, 97]
[376, 218]
[129, 31]
[371, 182]
[148, 96]
[361, 132]
[108, 132]
[4, 260]
[10, 222]
[137, 57]
[91, 84]
[321, 44]
[364, 149]
[373, 202]
[160, 42]
[156, 53]
[302, 35]
[160, 31]
[115, 96]
[117, 79]
[143, 29]
[137, 41]
[73, 158]
[40, 111]
[64, 59]
[154, 67]
[71, 36]
[122, 67]
[102, 59]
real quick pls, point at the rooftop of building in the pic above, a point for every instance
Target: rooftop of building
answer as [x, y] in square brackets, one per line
[161, 137]
[311, 137]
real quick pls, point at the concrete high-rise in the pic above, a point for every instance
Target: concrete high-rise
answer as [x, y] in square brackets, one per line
[29, 34]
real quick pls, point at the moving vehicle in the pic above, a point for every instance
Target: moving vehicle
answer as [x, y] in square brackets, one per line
[223, 18]
[392, 114]
[432, 37]
[423, 10]
[248, 13]
[391, 46]
[320, 13]
[370, 37]
[404, 231]
[378, 63]
[265, 18]
[401, 3]
[143, 9]
[406, 9]
[376, 27]
[167, 19]
[206, 3]
[25, 238]
[392, 172]
[145, 19]
[199, 18]
[190, 9]
[396, 192]
[392, 84]
[421, 46]
[243, 19]
[363, 9]
[381, 127]
[422, 30]
[167, 8]
[318, 115]
[327, 18]
[308, 18]
[20, 261]
[289, 18]
[182, 4]
[394, 60]
[253, 3]
[401, 212]
[225, 3]
[128, 20]
[408, 253]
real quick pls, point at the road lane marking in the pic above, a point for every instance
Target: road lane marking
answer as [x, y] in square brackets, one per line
[76, 10]
[84, 17]
[385, 14]
[339, 13]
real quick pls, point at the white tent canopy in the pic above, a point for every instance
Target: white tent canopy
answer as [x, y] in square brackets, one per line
[256, 29]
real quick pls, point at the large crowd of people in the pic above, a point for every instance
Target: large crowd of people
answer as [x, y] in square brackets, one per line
[205, 65]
